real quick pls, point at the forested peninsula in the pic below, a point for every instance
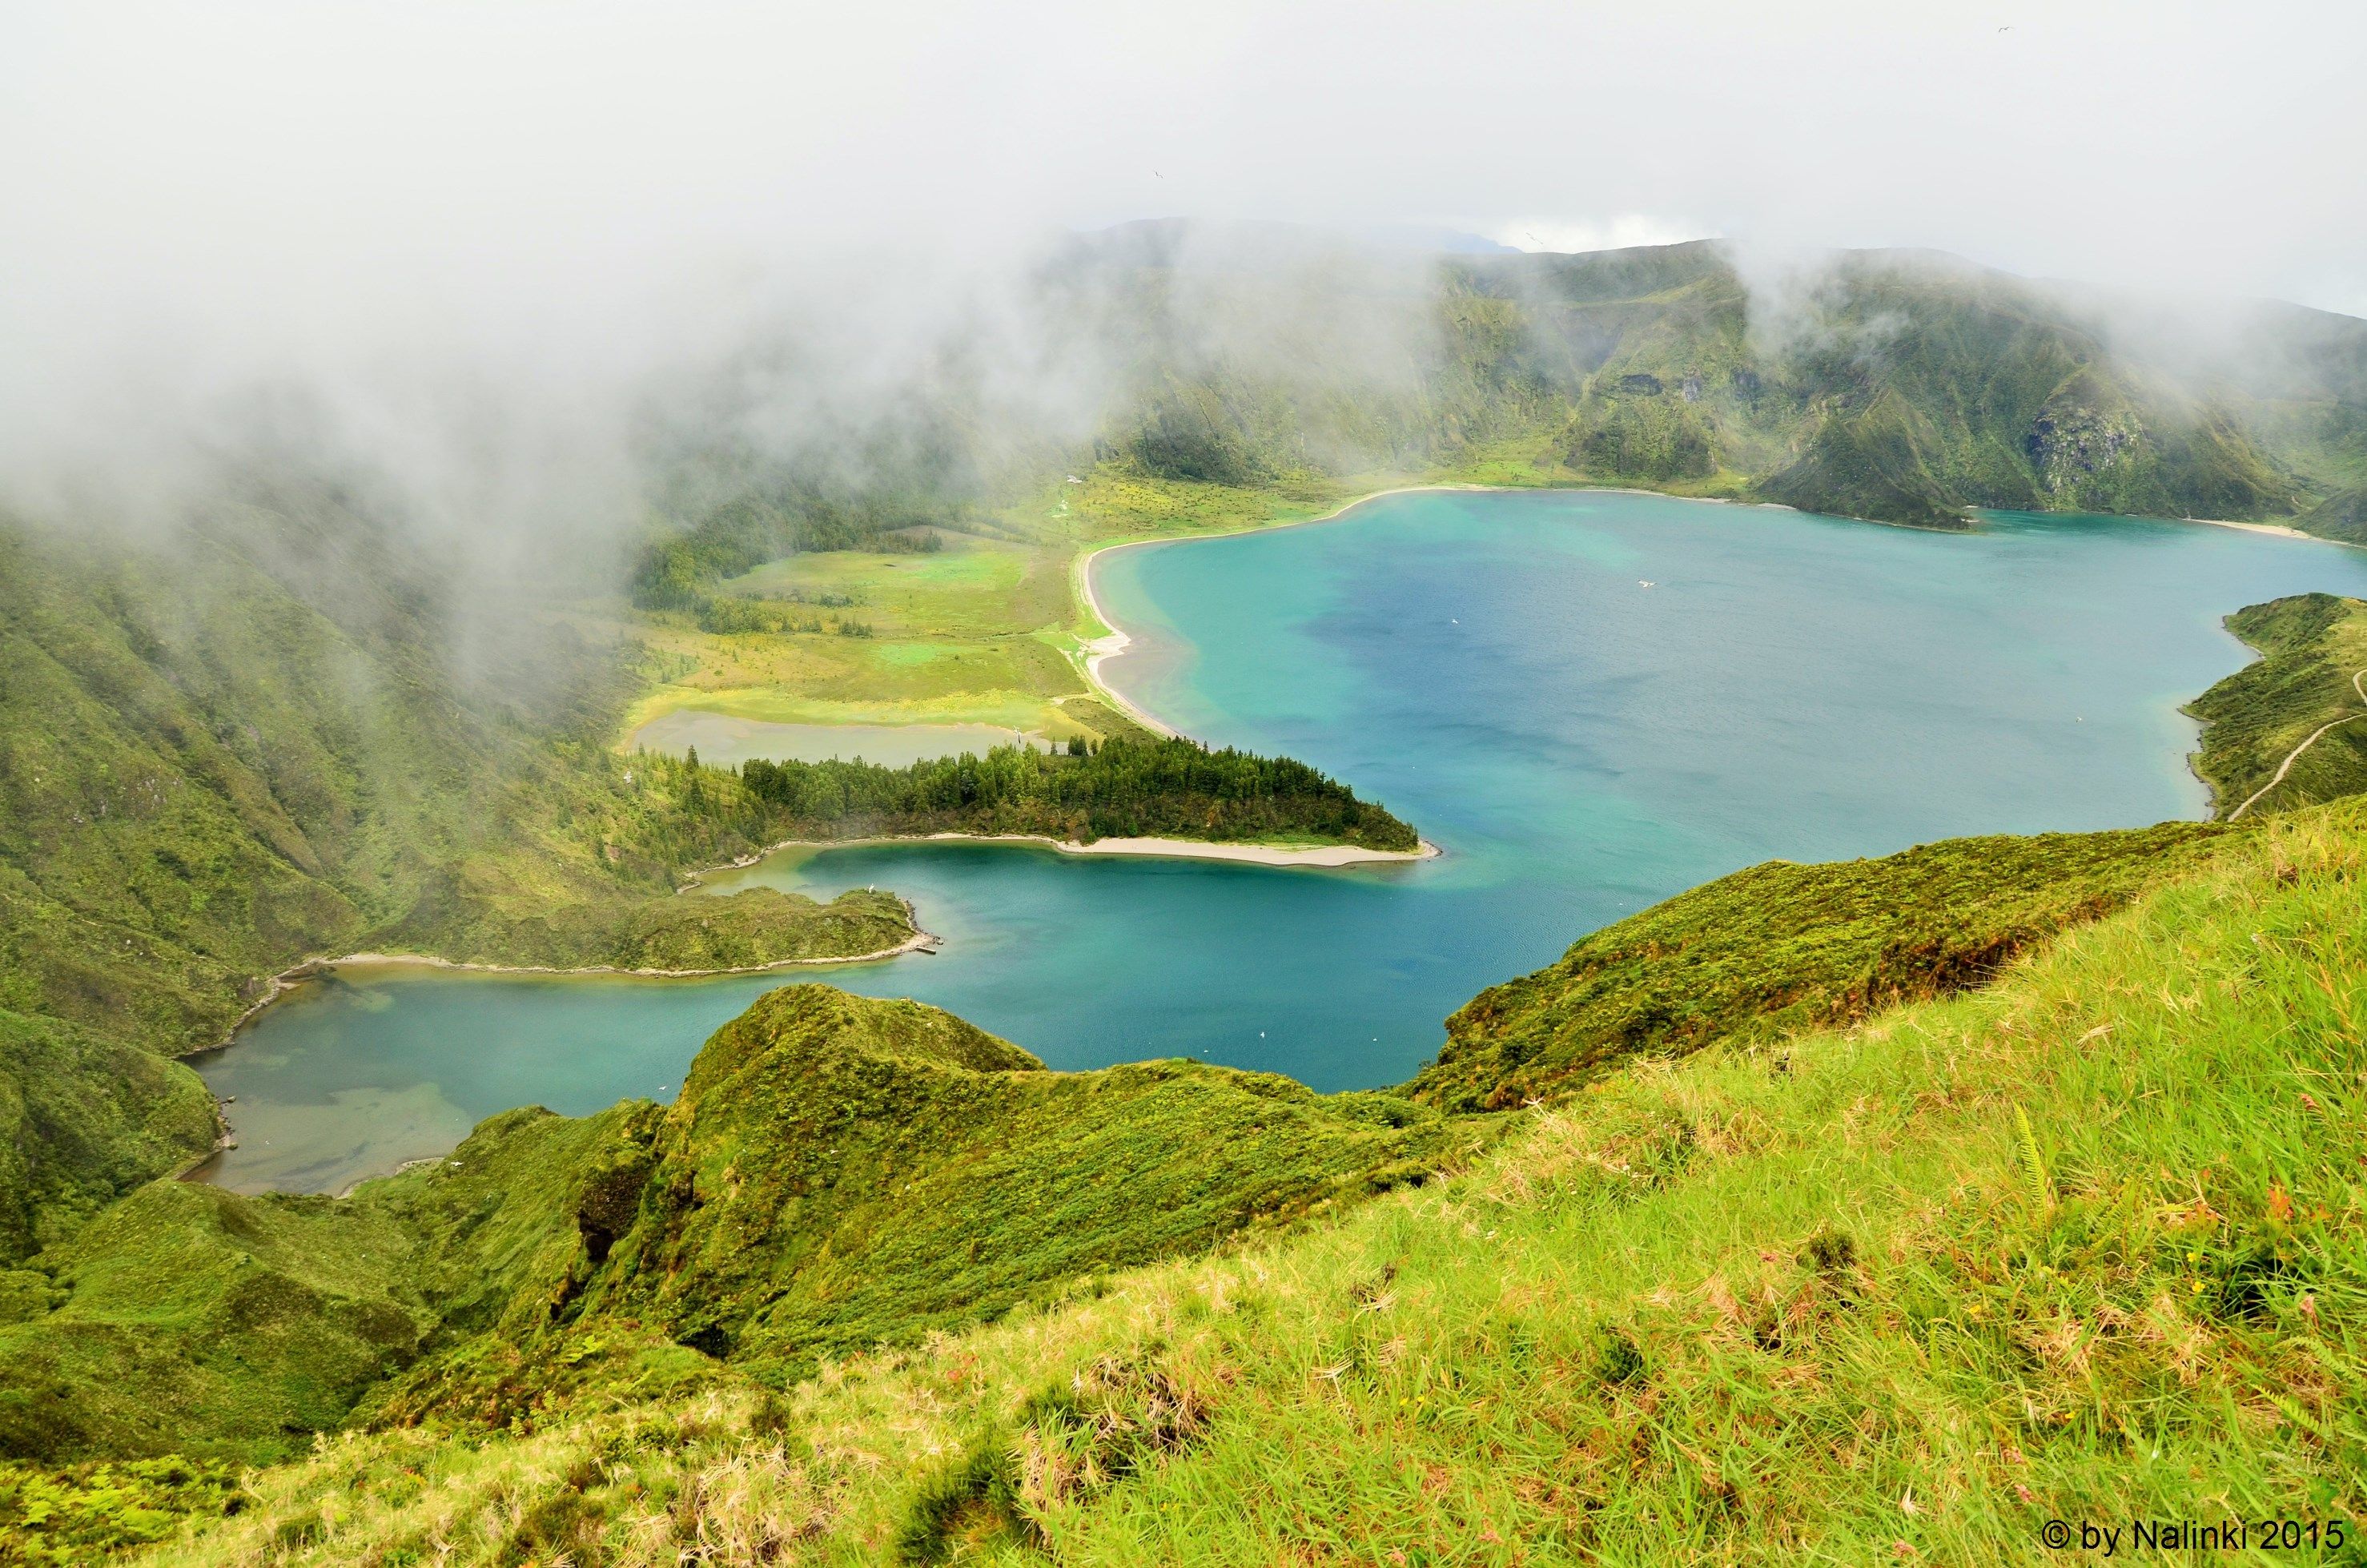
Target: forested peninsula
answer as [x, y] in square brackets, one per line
[1168, 788]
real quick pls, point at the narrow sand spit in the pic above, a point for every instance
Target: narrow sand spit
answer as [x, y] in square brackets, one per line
[287, 978]
[1318, 855]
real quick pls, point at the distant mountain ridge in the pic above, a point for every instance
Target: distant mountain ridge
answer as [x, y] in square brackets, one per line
[1906, 387]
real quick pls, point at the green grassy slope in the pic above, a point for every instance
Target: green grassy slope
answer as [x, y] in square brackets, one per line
[841, 1173]
[148, 866]
[1871, 462]
[2312, 646]
[207, 782]
[190, 1320]
[1780, 947]
[83, 1118]
[2342, 516]
[838, 1173]
[187, 1320]
[2083, 1245]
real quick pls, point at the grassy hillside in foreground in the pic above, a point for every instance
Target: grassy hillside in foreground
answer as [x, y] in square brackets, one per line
[194, 1321]
[2310, 674]
[2088, 1243]
[838, 1173]
[1780, 947]
[791, 1255]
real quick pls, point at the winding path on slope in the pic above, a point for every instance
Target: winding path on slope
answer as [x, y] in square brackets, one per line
[2294, 756]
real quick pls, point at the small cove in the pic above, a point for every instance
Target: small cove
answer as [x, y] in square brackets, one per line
[1492, 667]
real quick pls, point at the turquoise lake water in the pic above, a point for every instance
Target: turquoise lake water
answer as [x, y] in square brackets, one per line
[1493, 669]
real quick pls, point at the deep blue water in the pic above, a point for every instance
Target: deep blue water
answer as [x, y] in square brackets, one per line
[1493, 669]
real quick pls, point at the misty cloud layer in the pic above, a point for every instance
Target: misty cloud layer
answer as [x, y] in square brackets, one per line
[490, 251]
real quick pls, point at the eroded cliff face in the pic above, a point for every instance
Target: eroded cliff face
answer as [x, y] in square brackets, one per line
[2069, 446]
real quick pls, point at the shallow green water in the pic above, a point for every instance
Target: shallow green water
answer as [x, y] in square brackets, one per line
[1492, 667]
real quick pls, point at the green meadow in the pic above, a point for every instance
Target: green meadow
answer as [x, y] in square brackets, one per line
[987, 629]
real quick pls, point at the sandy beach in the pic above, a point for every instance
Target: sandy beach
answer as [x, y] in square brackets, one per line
[1255, 854]
[2277, 529]
[914, 943]
[1315, 854]
[1109, 647]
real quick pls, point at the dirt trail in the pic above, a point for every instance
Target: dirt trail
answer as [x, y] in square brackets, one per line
[2359, 684]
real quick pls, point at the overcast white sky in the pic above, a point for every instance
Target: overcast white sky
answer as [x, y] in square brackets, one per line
[242, 183]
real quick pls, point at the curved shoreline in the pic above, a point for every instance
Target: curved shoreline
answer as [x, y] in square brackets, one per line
[296, 974]
[918, 940]
[1089, 657]
[1324, 856]
[290, 979]
[1094, 650]
[1116, 641]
